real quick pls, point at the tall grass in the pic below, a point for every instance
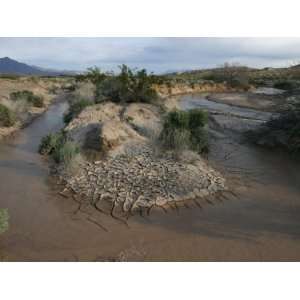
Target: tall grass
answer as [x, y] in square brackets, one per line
[7, 116]
[282, 131]
[75, 108]
[30, 97]
[59, 148]
[185, 130]
[4, 218]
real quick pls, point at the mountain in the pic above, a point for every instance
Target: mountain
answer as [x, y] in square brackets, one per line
[13, 67]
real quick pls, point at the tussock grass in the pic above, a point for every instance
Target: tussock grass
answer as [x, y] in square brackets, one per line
[4, 218]
[185, 130]
[62, 150]
[30, 97]
[7, 116]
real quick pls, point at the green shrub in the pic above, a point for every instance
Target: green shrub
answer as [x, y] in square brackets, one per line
[235, 76]
[7, 116]
[59, 148]
[280, 132]
[185, 130]
[30, 97]
[4, 217]
[128, 86]
[286, 84]
[37, 101]
[75, 109]
[66, 152]
[51, 142]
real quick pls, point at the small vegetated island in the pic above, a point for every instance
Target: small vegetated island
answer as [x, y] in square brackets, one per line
[122, 148]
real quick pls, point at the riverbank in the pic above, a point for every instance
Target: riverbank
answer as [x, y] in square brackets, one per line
[25, 113]
[252, 100]
[165, 91]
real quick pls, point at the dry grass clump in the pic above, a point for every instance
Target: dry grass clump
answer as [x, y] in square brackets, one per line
[7, 116]
[4, 217]
[185, 130]
[85, 90]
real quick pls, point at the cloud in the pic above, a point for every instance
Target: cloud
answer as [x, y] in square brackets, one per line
[156, 54]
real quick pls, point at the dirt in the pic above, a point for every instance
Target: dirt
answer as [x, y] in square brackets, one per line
[263, 102]
[259, 223]
[39, 86]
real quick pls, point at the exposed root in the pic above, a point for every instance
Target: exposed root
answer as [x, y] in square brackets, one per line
[197, 204]
[115, 217]
[96, 223]
[209, 201]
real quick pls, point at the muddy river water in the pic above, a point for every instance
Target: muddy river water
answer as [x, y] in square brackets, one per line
[261, 223]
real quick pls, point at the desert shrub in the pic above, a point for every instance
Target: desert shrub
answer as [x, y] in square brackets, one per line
[280, 132]
[93, 75]
[30, 97]
[53, 89]
[235, 76]
[66, 152]
[51, 142]
[128, 86]
[84, 90]
[286, 84]
[199, 140]
[59, 148]
[37, 101]
[4, 217]
[10, 76]
[7, 116]
[185, 130]
[15, 96]
[75, 109]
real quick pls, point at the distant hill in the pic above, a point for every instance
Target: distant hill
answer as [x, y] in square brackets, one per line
[9, 66]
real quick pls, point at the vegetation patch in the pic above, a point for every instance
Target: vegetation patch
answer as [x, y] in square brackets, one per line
[30, 97]
[185, 130]
[7, 116]
[282, 131]
[75, 109]
[287, 84]
[4, 218]
[59, 148]
[125, 87]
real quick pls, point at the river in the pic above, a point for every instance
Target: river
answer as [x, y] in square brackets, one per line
[261, 223]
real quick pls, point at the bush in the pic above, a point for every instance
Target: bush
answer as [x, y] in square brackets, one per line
[282, 131]
[75, 109]
[185, 130]
[30, 97]
[93, 75]
[7, 116]
[66, 152]
[286, 85]
[59, 148]
[128, 86]
[51, 142]
[4, 217]
[235, 76]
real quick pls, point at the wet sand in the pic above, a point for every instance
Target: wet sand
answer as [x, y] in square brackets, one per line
[262, 223]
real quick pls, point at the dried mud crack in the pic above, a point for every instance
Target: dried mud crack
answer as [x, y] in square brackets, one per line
[138, 180]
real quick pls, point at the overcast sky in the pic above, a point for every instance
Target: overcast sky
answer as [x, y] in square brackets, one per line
[154, 54]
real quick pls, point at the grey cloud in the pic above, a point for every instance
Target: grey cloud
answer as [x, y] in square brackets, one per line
[156, 54]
